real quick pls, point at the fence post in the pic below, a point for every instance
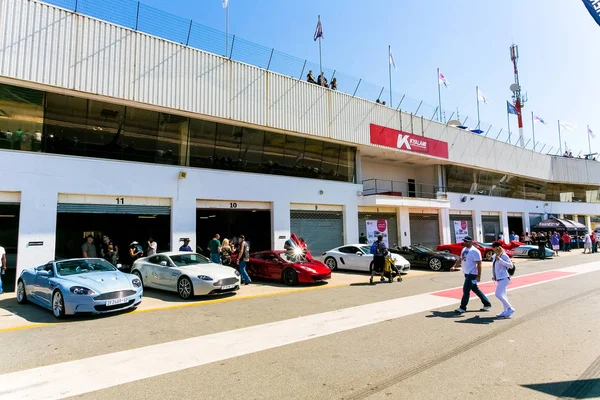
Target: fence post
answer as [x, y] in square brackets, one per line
[355, 90]
[435, 112]
[411, 124]
[76, 4]
[137, 16]
[189, 31]
[418, 108]
[542, 148]
[422, 127]
[270, 58]
[232, 43]
[497, 136]
[302, 73]
[376, 186]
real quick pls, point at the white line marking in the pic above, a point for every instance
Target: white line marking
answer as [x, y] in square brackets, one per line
[96, 373]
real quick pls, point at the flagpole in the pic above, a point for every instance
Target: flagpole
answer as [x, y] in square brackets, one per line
[559, 139]
[589, 141]
[320, 55]
[227, 29]
[533, 129]
[439, 96]
[390, 69]
[508, 121]
[478, 118]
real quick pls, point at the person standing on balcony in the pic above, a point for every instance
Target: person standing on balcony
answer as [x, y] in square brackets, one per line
[334, 84]
[310, 78]
[323, 80]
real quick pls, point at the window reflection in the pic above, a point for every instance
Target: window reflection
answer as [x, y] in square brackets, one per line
[294, 155]
[202, 143]
[21, 118]
[253, 141]
[228, 147]
[65, 125]
[140, 135]
[331, 159]
[273, 153]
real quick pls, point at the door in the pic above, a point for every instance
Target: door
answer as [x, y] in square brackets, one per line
[273, 265]
[166, 275]
[321, 230]
[425, 230]
[43, 286]
[150, 271]
[352, 258]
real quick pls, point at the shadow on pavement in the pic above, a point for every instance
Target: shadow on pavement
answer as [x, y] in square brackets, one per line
[579, 389]
[479, 320]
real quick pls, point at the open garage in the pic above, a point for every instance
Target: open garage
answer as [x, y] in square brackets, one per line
[9, 236]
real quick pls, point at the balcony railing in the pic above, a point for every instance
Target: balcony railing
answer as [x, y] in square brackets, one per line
[373, 187]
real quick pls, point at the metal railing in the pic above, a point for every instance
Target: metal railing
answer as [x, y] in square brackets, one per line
[383, 187]
[137, 16]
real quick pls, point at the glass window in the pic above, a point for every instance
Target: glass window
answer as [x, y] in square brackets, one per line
[331, 157]
[104, 130]
[140, 135]
[253, 142]
[346, 169]
[294, 155]
[228, 146]
[21, 118]
[313, 158]
[202, 143]
[171, 147]
[273, 153]
[65, 124]
[349, 250]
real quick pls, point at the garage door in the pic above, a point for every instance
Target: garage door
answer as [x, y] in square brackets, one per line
[425, 229]
[460, 218]
[392, 223]
[112, 209]
[322, 230]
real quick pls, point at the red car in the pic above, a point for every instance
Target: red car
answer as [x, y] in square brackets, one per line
[292, 269]
[486, 251]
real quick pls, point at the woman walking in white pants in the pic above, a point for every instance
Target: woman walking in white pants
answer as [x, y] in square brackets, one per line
[501, 263]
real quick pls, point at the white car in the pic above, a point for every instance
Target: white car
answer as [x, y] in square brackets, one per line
[189, 274]
[358, 257]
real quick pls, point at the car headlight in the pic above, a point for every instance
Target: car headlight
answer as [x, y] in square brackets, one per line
[136, 282]
[237, 273]
[205, 277]
[81, 290]
[308, 269]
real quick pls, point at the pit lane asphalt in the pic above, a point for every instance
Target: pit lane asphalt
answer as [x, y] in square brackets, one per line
[336, 366]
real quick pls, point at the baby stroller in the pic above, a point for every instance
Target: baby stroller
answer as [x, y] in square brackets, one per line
[389, 270]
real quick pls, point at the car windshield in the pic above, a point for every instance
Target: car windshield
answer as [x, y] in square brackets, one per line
[366, 249]
[181, 260]
[83, 266]
[422, 249]
[293, 257]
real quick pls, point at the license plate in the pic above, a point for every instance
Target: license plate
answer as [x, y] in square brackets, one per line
[115, 302]
[227, 287]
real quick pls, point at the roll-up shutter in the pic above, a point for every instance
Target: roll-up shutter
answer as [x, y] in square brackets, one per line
[321, 230]
[392, 223]
[425, 229]
[113, 209]
[467, 218]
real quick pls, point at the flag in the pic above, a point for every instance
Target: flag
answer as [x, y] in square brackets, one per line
[567, 126]
[392, 62]
[444, 81]
[511, 109]
[319, 31]
[481, 96]
[225, 3]
[538, 119]
[593, 7]
[591, 133]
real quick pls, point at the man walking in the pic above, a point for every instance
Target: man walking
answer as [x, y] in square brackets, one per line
[587, 243]
[215, 249]
[470, 260]
[379, 250]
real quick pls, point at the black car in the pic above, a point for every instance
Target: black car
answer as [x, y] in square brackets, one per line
[421, 256]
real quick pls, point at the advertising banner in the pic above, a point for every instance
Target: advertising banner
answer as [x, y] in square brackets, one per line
[461, 229]
[405, 141]
[376, 228]
[593, 6]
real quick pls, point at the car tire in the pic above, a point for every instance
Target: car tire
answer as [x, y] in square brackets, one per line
[58, 305]
[138, 274]
[434, 264]
[533, 254]
[185, 288]
[21, 294]
[331, 263]
[290, 277]
[488, 255]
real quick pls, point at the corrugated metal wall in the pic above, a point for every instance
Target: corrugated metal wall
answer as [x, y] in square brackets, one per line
[43, 44]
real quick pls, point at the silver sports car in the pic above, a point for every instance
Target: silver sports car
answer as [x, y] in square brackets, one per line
[79, 286]
[188, 274]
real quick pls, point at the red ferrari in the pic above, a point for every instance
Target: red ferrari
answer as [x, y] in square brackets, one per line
[486, 251]
[291, 268]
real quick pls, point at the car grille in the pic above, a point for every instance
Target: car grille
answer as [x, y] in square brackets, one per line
[219, 291]
[226, 281]
[115, 307]
[115, 295]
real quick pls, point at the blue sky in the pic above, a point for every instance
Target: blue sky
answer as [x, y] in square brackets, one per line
[468, 40]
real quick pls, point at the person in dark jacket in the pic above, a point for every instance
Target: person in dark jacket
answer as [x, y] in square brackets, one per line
[542, 246]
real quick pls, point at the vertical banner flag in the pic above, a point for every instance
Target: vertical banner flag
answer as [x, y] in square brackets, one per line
[376, 228]
[567, 126]
[593, 6]
[481, 96]
[319, 31]
[538, 119]
[444, 81]
[511, 109]
[461, 230]
[392, 62]
[225, 3]
[593, 136]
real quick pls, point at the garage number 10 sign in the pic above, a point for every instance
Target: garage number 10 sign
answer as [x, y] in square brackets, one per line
[461, 230]
[376, 228]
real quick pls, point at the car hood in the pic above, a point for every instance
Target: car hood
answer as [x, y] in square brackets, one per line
[100, 282]
[319, 267]
[444, 254]
[398, 259]
[215, 271]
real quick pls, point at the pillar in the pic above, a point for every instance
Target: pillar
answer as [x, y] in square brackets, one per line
[445, 231]
[351, 223]
[358, 163]
[477, 226]
[404, 224]
[526, 224]
[183, 217]
[504, 226]
[281, 224]
[588, 223]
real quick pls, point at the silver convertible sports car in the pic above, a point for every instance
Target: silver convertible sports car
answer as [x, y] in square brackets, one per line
[188, 274]
[79, 286]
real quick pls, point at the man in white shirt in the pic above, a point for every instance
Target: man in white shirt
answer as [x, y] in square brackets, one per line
[2, 265]
[152, 247]
[470, 260]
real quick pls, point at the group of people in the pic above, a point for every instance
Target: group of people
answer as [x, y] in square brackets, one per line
[223, 252]
[110, 252]
[321, 80]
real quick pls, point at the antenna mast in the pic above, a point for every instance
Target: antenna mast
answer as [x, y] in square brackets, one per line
[518, 99]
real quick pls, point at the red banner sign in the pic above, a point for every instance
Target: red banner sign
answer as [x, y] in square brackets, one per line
[405, 141]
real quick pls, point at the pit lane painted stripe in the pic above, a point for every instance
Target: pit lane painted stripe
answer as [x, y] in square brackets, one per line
[109, 370]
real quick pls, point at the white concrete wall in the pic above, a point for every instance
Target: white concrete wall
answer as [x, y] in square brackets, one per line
[41, 177]
[71, 53]
[397, 172]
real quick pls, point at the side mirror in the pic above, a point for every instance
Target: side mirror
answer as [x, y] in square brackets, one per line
[43, 273]
[359, 253]
[164, 263]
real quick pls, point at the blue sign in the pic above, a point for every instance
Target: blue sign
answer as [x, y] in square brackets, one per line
[593, 7]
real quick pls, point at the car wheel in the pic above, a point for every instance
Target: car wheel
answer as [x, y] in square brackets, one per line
[185, 288]
[533, 254]
[21, 295]
[489, 255]
[58, 305]
[139, 276]
[331, 263]
[435, 264]
[290, 277]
